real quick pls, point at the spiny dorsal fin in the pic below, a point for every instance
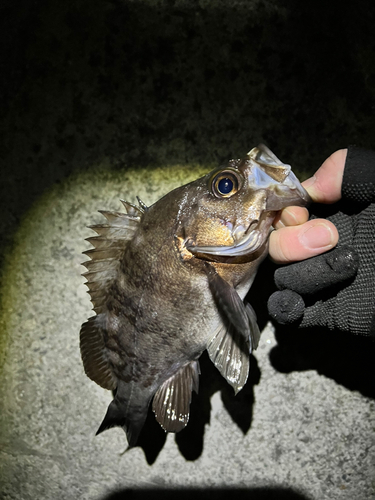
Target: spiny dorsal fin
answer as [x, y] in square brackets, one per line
[108, 246]
[142, 205]
[133, 209]
[171, 402]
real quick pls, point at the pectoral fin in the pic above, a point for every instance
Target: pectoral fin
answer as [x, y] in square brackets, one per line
[254, 328]
[232, 344]
[171, 402]
[229, 352]
[229, 303]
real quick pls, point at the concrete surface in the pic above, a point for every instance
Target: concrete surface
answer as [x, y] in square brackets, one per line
[290, 434]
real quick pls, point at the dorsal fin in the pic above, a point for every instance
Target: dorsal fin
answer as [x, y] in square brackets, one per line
[108, 246]
[171, 402]
[93, 353]
[142, 205]
[105, 257]
[133, 209]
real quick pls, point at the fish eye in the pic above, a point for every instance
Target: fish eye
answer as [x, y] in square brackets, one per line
[226, 184]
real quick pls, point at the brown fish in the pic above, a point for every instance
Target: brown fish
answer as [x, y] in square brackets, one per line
[169, 281]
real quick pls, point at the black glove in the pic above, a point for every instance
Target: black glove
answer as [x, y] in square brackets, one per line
[337, 289]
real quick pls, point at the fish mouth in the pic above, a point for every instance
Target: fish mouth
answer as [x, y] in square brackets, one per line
[245, 242]
[278, 188]
[277, 178]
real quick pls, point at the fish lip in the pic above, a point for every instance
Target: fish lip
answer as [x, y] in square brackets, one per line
[251, 241]
[294, 184]
[237, 239]
[277, 178]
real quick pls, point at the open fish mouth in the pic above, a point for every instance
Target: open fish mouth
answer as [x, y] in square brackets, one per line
[245, 242]
[276, 186]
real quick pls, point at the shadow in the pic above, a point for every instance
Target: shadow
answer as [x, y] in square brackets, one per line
[262, 288]
[152, 438]
[345, 358]
[264, 493]
[190, 441]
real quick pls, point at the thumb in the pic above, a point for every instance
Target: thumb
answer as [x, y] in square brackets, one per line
[295, 243]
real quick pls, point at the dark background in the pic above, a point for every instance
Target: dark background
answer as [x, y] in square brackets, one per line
[166, 82]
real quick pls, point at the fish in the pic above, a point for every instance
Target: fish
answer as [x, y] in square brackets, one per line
[169, 281]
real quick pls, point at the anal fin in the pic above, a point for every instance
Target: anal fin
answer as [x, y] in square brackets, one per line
[171, 402]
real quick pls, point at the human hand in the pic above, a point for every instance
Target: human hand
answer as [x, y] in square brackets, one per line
[335, 289]
[297, 238]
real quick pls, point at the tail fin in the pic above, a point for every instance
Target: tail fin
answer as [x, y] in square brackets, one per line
[115, 417]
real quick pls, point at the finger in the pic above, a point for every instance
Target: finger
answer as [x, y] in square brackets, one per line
[290, 244]
[312, 276]
[291, 216]
[286, 307]
[325, 185]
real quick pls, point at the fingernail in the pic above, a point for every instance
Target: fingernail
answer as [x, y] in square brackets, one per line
[318, 236]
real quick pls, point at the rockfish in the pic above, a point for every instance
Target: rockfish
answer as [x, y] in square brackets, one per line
[169, 281]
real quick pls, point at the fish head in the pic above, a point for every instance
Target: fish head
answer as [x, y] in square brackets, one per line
[238, 204]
